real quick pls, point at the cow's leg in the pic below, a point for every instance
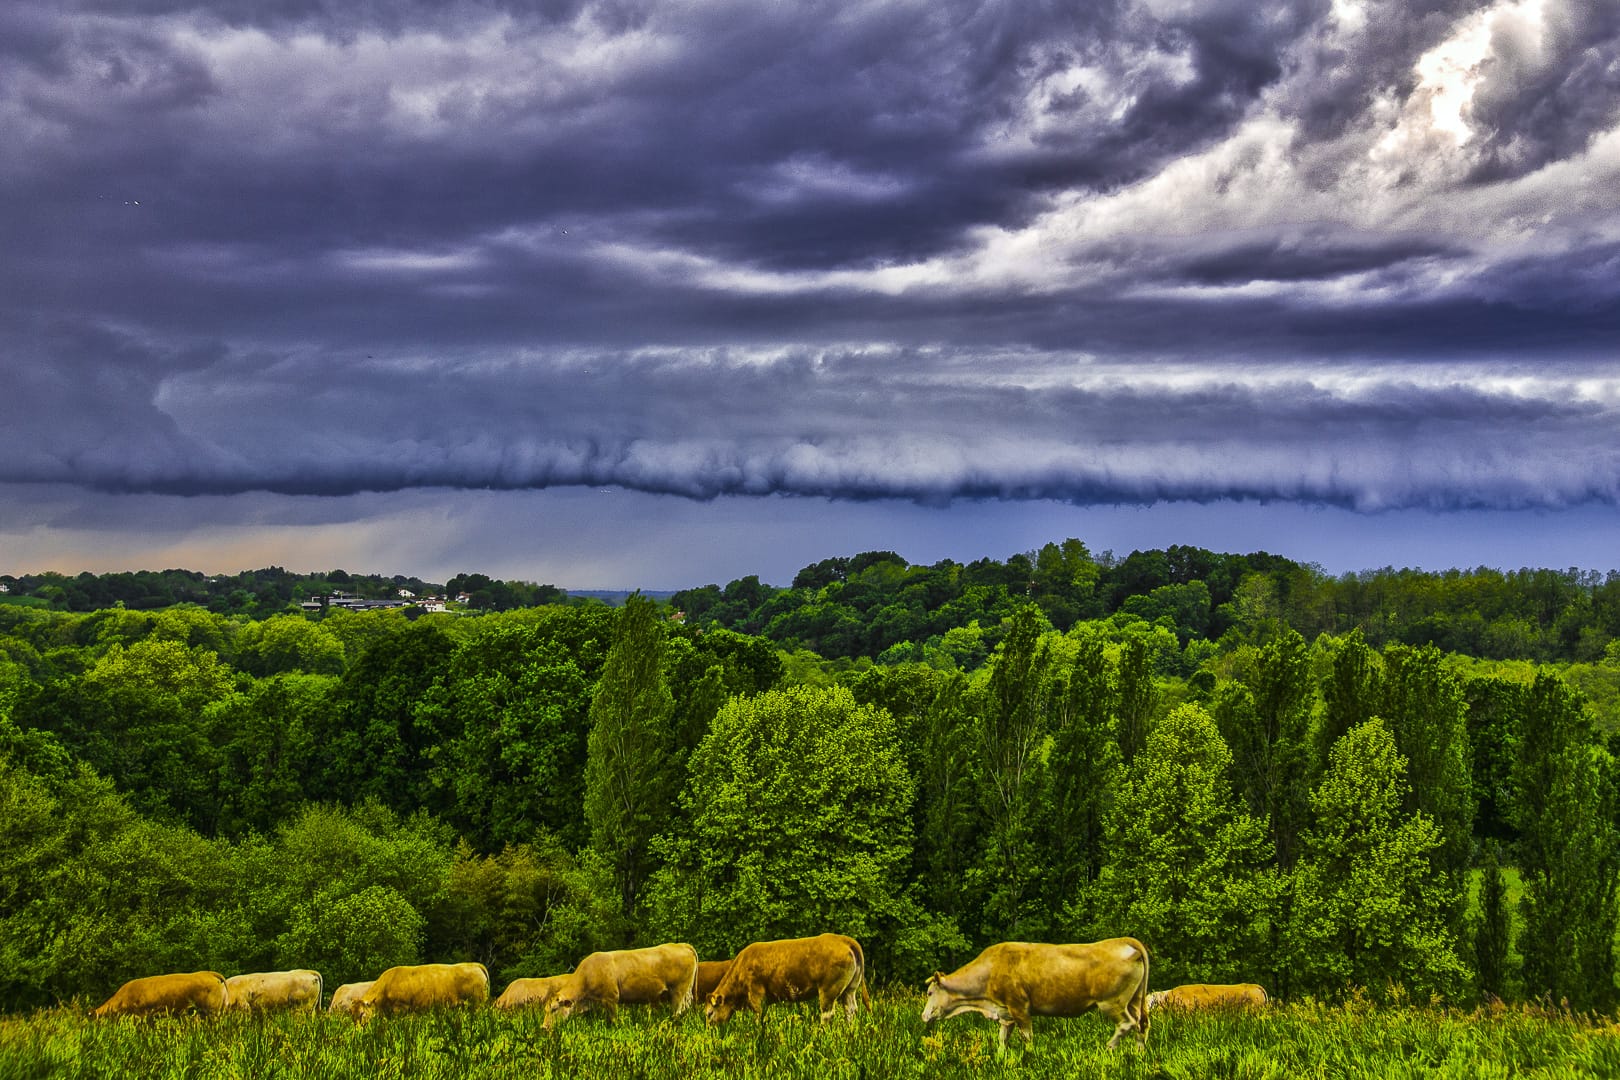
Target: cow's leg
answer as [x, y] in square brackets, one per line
[1124, 1020]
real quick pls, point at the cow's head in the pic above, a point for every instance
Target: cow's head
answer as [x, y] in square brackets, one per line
[718, 1010]
[364, 1008]
[938, 999]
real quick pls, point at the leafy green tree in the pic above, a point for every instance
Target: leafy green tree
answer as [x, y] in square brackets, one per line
[370, 746]
[355, 936]
[1189, 872]
[1423, 706]
[949, 816]
[1138, 697]
[289, 643]
[266, 744]
[516, 766]
[1569, 850]
[91, 894]
[1370, 908]
[137, 717]
[1493, 928]
[1014, 742]
[1266, 722]
[1085, 770]
[527, 910]
[1352, 693]
[798, 802]
[629, 784]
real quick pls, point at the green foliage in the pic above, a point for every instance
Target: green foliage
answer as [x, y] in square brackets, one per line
[1188, 873]
[1493, 927]
[1424, 708]
[1265, 719]
[798, 805]
[369, 746]
[1014, 745]
[528, 910]
[354, 937]
[266, 748]
[1370, 910]
[91, 894]
[629, 778]
[519, 704]
[1571, 913]
[1085, 769]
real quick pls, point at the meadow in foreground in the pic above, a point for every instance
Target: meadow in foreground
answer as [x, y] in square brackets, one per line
[1302, 1040]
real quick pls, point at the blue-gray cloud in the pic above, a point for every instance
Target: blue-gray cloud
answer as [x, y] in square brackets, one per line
[1359, 254]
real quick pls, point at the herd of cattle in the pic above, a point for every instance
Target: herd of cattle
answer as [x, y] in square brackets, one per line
[1008, 983]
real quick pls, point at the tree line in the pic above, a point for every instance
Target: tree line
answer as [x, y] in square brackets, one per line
[345, 792]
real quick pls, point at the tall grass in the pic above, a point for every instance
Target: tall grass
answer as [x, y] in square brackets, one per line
[1296, 1041]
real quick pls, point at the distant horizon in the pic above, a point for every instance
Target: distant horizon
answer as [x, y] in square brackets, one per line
[1324, 537]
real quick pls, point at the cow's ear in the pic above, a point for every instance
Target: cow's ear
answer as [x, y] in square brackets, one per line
[935, 977]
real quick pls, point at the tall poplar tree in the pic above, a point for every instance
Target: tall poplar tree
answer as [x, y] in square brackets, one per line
[1569, 850]
[1012, 733]
[629, 784]
[1351, 693]
[1085, 769]
[1424, 708]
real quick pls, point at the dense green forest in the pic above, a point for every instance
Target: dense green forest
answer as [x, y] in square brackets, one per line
[1397, 784]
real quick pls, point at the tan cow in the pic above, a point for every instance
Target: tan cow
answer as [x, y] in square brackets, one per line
[202, 991]
[416, 987]
[709, 974]
[348, 996]
[265, 990]
[606, 980]
[1202, 997]
[530, 993]
[1014, 980]
[830, 968]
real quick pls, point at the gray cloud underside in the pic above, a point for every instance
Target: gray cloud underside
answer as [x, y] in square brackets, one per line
[1101, 252]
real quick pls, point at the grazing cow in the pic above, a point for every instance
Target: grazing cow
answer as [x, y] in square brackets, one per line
[415, 987]
[830, 968]
[1201, 997]
[202, 991]
[530, 993]
[709, 974]
[267, 990]
[1011, 981]
[606, 980]
[347, 997]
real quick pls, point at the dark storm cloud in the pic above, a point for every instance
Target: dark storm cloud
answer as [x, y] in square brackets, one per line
[1543, 97]
[1097, 252]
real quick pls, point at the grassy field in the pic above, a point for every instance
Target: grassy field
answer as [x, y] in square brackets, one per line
[1287, 1042]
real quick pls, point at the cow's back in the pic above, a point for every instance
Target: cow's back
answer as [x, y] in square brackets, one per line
[200, 991]
[529, 993]
[415, 987]
[275, 990]
[1065, 980]
[793, 969]
[1215, 996]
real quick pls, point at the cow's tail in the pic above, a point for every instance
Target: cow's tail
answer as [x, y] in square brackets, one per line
[688, 995]
[860, 973]
[320, 990]
[1139, 1009]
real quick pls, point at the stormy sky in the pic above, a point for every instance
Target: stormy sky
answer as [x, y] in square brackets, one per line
[620, 293]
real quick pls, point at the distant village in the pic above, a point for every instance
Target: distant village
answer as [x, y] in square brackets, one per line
[353, 602]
